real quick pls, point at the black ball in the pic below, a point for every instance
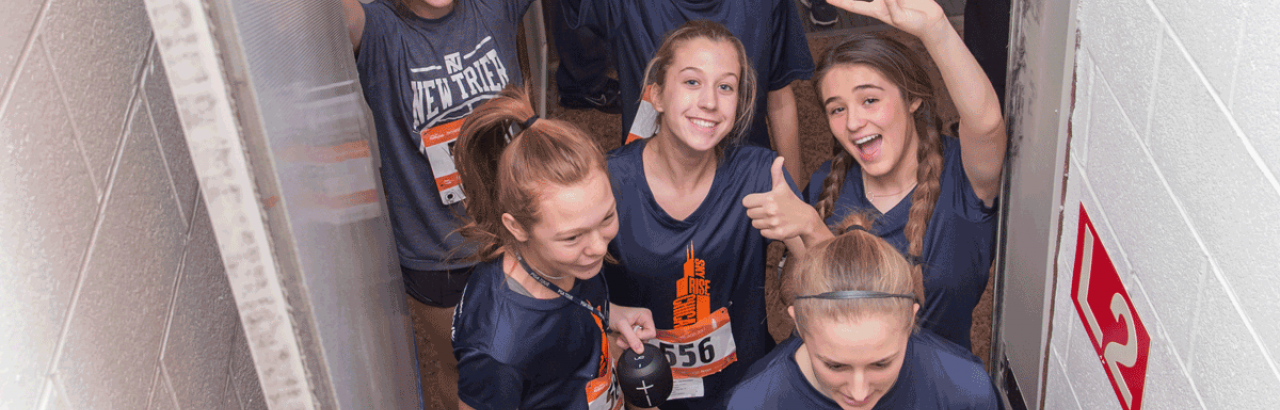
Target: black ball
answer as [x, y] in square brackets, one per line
[645, 378]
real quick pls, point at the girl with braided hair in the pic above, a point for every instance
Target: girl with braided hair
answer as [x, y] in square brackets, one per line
[857, 345]
[937, 194]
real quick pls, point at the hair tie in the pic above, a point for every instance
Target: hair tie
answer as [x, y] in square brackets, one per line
[529, 122]
[914, 260]
[858, 228]
[858, 294]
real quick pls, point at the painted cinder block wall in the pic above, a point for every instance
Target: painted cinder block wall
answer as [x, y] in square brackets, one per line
[113, 293]
[1174, 154]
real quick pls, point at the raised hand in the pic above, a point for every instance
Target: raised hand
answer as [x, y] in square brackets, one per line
[918, 17]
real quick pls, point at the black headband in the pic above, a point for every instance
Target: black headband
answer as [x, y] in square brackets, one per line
[858, 294]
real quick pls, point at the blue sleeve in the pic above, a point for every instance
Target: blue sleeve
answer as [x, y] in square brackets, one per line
[988, 400]
[969, 206]
[795, 189]
[586, 13]
[517, 8]
[484, 383]
[791, 57]
[814, 189]
[377, 20]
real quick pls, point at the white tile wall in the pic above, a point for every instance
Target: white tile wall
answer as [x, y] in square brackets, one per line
[40, 152]
[203, 312]
[96, 47]
[127, 286]
[1178, 159]
[162, 398]
[15, 27]
[1085, 373]
[1257, 93]
[1058, 394]
[1124, 48]
[1211, 31]
[114, 294]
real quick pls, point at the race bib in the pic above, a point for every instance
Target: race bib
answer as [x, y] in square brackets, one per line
[437, 146]
[700, 350]
[645, 124]
[603, 393]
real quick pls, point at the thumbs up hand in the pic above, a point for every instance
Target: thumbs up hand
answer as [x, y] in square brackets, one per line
[779, 214]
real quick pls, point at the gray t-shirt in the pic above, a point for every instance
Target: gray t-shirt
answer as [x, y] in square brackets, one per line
[422, 73]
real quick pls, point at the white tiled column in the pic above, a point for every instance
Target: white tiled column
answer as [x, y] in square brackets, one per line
[112, 291]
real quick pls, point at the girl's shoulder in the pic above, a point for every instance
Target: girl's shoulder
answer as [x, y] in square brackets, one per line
[748, 169]
[749, 154]
[956, 374]
[626, 162]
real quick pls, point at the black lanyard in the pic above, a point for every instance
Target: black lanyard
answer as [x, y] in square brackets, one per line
[603, 315]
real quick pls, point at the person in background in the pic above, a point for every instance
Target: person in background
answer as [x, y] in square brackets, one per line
[582, 76]
[424, 65]
[771, 35]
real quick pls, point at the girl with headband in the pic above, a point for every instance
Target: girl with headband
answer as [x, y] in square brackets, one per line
[857, 344]
[531, 329]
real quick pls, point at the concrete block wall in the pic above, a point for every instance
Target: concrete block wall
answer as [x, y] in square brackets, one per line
[1174, 155]
[112, 291]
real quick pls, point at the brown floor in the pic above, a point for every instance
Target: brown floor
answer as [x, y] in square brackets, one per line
[431, 325]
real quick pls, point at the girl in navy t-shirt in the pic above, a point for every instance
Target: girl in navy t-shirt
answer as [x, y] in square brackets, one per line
[531, 329]
[856, 344]
[686, 246]
[934, 196]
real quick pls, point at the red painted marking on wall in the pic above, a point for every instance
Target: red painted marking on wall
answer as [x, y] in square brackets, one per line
[1112, 323]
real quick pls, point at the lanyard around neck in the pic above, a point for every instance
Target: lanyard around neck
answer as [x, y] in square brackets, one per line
[603, 315]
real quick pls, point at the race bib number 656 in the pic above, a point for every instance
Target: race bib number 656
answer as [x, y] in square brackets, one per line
[702, 349]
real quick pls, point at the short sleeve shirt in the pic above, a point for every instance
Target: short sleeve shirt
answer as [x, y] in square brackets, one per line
[417, 74]
[959, 242]
[715, 245]
[516, 351]
[936, 374]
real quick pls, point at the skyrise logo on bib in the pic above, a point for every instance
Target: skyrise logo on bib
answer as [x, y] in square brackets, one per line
[693, 290]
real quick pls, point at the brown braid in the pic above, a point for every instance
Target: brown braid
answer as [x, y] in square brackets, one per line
[903, 67]
[928, 176]
[833, 182]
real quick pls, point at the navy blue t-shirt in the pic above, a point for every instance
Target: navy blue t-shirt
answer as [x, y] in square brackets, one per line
[936, 374]
[715, 246]
[959, 242]
[516, 351]
[770, 32]
[421, 73]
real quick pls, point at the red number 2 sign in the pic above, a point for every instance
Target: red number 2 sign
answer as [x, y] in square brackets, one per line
[1113, 325]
